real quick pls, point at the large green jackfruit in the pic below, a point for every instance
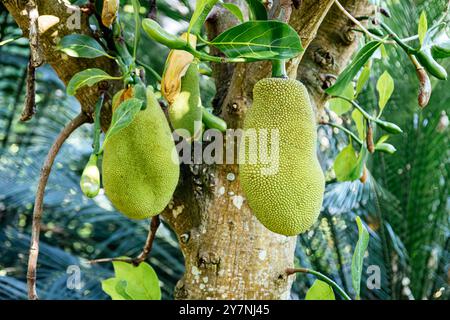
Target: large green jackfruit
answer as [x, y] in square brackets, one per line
[140, 165]
[186, 110]
[287, 199]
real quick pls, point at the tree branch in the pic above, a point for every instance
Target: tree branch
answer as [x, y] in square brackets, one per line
[320, 276]
[39, 201]
[154, 225]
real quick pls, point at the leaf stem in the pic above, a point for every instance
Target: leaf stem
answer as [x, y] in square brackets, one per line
[97, 128]
[152, 71]
[279, 69]
[408, 49]
[206, 57]
[322, 277]
[335, 125]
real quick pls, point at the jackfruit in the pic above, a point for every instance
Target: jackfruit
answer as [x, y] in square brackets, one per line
[185, 113]
[286, 197]
[140, 165]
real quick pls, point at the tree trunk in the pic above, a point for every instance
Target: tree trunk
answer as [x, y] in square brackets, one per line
[228, 253]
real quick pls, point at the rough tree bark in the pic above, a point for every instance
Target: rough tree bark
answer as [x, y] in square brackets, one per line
[228, 253]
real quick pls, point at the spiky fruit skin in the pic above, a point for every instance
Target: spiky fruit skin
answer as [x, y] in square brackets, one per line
[288, 200]
[140, 165]
[186, 111]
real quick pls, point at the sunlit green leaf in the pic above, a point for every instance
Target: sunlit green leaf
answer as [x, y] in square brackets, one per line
[423, 26]
[352, 69]
[347, 165]
[259, 40]
[358, 256]
[341, 106]
[320, 291]
[385, 88]
[133, 283]
[363, 78]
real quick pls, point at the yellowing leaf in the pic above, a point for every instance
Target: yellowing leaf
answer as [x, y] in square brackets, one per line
[176, 66]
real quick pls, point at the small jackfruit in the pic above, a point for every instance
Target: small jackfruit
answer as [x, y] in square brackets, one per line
[185, 113]
[140, 165]
[90, 178]
[287, 199]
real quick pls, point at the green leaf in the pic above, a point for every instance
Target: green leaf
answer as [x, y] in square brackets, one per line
[423, 27]
[320, 291]
[363, 78]
[341, 106]
[385, 88]
[142, 281]
[349, 167]
[115, 288]
[358, 118]
[358, 256]
[202, 9]
[81, 46]
[234, 9]
[383, 51]
[352, 69]
[259, 40]
[257, 10]
[345, 162]
[132, 283]
[87, 77]
[123, 116]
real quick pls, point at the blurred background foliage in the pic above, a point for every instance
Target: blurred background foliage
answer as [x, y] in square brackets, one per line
[405, 202]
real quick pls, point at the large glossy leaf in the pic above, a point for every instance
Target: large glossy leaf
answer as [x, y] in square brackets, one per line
[358, 256]
[352, 69]
[123, 116]
[259, 40]
[81, 46]
[87, 77]
[320, 291]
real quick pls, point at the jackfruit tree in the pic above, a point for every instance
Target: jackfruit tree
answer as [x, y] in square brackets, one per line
[281, 69]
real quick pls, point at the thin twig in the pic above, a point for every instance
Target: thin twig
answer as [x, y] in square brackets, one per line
[145, 251]
[320, 276]
[356, 22]
[35, 52]
[29, 108]
[38, 203]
